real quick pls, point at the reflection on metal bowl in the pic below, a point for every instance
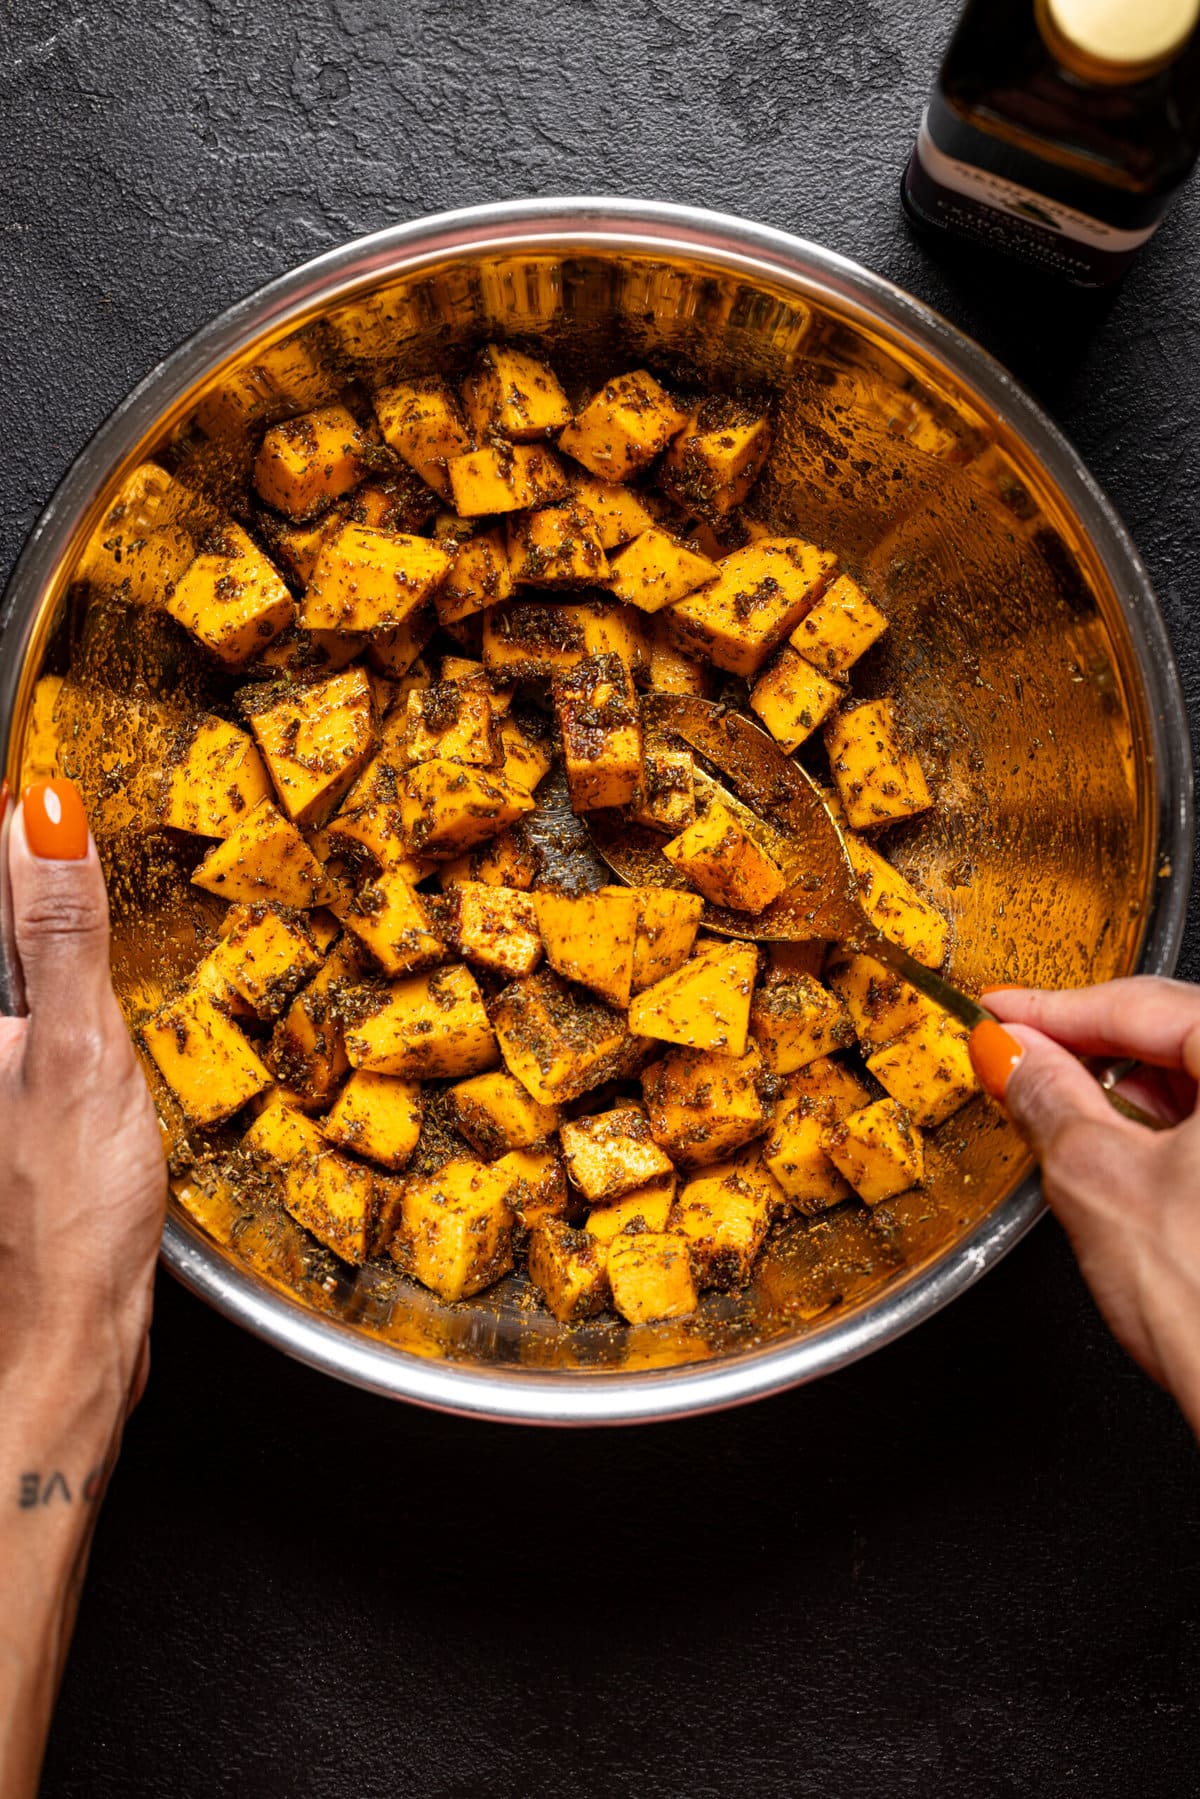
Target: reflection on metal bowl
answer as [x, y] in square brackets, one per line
[1024, 639]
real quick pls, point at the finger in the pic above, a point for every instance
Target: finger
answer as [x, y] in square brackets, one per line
[1042, 1087]
[60, 913]
[1152, 1019]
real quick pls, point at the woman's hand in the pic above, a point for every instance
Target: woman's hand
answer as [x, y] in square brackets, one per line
[1128, 1196]
[82, 1193]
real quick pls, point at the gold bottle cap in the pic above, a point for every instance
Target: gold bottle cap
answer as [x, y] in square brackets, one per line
[1117, 40]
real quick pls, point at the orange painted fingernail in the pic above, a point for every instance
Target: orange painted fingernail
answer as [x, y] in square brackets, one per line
[1001, 987]
[56, 826]
[994, 1055]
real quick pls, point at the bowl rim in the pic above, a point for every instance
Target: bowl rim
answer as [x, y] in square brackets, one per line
[648, 227]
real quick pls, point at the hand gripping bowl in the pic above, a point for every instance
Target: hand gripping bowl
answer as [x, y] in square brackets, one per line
[1025, 641]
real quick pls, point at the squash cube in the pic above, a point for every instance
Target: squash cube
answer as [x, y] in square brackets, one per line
[724, 1215]
[368, 580]
[650, 1275]
[718, 855]
[214, 776]
[465, 672]
[447, 808]
[263, 858]
[315, 740]
[841, 627]
[204, 1059]
[336, 1199]
[792, 699]
[398, 504]
[895, 907]
[393, 652]
[556, 546]
[878, 777]
[795, 1021]
[601, 729]
[829, 1087]
[879, 1150]
[623, 427]
[532, 639]
[705, 1003]
[495, 1114]
[657, 569]
[611, 1153]
[537, 1186]
[880, 1004]
[493, 926]
[231, 598]
[426, 1026]
[569, 1270]
[928, 1069]
[666, 932]
[281, 1132]
[421, 421]
[507, 860]
[671, 671]
[391, 920]
[591, 938]
[794, 1150]
[455, 1234]
[667, 798]
[703, 1105]
[448, 723]
[306, 462]
[717, 457]
[479, 577]
[618, 513]
[524, 759]
[759, 596]
[377, 1116]
[504, 477]
[514, 395]
[265, 955]
[644, 1209]
[556, 1039]
[308, 1049]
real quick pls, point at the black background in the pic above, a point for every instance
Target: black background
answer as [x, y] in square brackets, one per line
[969, 1565]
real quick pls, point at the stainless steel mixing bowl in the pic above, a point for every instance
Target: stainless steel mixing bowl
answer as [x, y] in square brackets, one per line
[1025, 641]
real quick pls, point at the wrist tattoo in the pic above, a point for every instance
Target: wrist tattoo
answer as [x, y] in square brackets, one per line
[37, 1489]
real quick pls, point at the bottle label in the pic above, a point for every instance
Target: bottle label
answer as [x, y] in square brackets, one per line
[979, 203]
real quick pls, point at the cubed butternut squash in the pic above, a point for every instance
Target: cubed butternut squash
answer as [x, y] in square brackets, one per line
[705, 1003]
[928, 1069]
[335, 1198]
[718, 456]
[895, 907]
[479, 576]
[611, 1153]
[450, 723]
[879, 778]
[306, 462]
[532, 639]
[724, 1215]
[393, 923]
[422, 422]
[558, 1040]
[623, 427]
[880, 1004]
[537, 1186]
[265, 955]
[308, 1048]
[523, 759]
[642, 1209]
[600, 728]
[657, 569]
[794, 1151]
[205, 1060]
[367, 580]
[671, 669]
[569, 1270]
[792, 698]
[555, 546]
[425, 1026]
[840, 628]
[757, 599]
[507, 860]
[377, 1116]
[315, 740]
[447, 807]
[795, 1020]
[619, 513]
[455, 1234]
[879, 1150]
[231, 598]
[666, 932]
[495, 1114]
[591, 938]
[650, 1275]
[514, 395]
[214, 777]
[720, 857]
[504, 477]
[703, 1105]
[263, 858]
[394, 652]
[494, 927]
[667, 798]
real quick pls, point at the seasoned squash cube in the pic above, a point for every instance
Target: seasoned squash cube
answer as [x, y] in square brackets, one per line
[524, 759]
[425, 1026]
[377, 1116]
[895, 907]
[792, 699]
[650, 1275]
[449, 723]
[315, 740]
[703, 1105]
[666, 932]
[794, 1152]
[537, 1186]
[611, 1153]
[556, 546]
[619, 513]
[507, 860]
[829, 1087]
[657, 569]
[531, 639]
[421, 421]
[495, 927]
[724, 1214]
[556, 1039]
[718, 855]
[479, 577]
[667, 799]
[263, 858]
[717, 457]
[504, 477]
[281, 1132]
[398, 504]
[306, 462]
[514, 396]
[394, 652]
[455, 1234]
[623, 427]
[795, 1020]
[447, 808]
[879, 1150]
[391, 920]
[601, 730]
[591, 938]
[473, 675]
[368, 580]
[204, 1059]
[569, 1270]
[495, 1114]
[643, 1209]
[336, 1199]
[265, 955]
[231, 598]
[841, 627]
[704, 1004]
[928, 1069]
[880, 1004]
[671, 670]
[878, 776]
[214, 777]
[308, 1049]
[759, 596]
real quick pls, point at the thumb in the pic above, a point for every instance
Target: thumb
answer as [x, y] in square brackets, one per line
[59, 912]
[1044, 1089]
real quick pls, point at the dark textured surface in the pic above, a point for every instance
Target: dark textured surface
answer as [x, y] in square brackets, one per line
[967, 1566]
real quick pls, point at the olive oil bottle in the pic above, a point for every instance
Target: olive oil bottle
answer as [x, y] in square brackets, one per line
[1060, 130]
